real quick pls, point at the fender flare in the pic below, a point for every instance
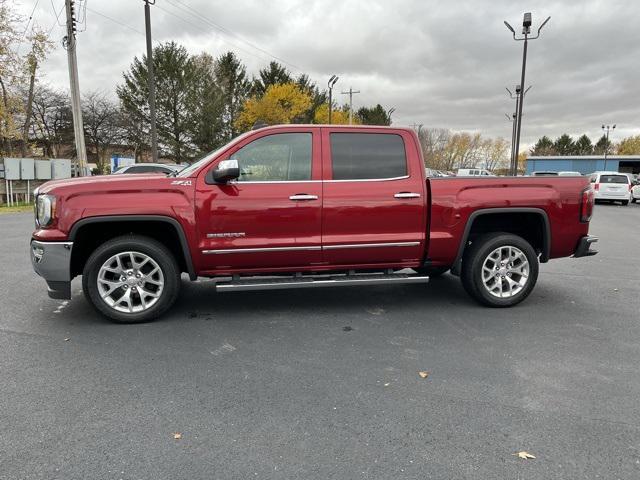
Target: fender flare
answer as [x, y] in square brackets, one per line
[142, 218]
[546, 234]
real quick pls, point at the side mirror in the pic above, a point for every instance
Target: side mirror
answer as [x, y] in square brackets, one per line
[224, 172]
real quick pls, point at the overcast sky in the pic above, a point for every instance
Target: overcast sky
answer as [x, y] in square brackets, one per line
[441, 64]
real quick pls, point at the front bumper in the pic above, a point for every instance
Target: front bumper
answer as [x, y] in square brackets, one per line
[52, 261]
[584, 247]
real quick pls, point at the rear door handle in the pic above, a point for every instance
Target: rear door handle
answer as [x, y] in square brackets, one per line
[407, 195]
[301, 197]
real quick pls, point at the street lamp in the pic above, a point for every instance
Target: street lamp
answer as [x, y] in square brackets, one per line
[513, 166]
[606, 145]
[332, 81]
[526, 30]
[389, 112]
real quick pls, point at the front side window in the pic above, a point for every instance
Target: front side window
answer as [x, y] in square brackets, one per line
[278, 157]
[362, 156]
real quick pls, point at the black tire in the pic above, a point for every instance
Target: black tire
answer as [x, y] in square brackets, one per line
[147, 246]
[625, 203]
[634, 200]
[432, 272]
[474, 258]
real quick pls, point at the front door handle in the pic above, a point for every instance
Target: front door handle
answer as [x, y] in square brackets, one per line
[407, 195]
[301, 197]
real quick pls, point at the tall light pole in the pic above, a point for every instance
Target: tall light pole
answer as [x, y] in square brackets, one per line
[332, 81]
[152, 81]
[513, 165]
[526, 30]
[606, 145]
[389, 112]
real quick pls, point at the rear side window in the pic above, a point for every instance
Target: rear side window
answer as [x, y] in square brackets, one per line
[362, 156]
[614, 179]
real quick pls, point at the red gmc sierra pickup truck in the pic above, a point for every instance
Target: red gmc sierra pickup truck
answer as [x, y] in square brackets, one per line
[303, 206]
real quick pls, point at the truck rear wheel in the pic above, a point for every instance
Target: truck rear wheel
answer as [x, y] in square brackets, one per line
[131, 279]
[499, 269]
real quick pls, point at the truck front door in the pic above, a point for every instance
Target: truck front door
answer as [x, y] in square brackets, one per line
[270, 217]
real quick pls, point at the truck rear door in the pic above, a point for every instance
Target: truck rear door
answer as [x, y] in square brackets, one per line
[374, 205]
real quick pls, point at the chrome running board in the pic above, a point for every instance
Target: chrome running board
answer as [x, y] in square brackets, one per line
[317, 281]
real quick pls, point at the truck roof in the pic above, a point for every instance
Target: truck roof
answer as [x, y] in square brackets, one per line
[313, 125]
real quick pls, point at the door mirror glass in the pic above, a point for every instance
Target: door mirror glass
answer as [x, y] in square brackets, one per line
[224, 172]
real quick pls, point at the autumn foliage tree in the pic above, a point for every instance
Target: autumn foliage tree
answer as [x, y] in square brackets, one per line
[629, 146]
[281, 103]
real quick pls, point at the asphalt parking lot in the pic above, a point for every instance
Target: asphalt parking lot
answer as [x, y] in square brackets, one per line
[324, 383]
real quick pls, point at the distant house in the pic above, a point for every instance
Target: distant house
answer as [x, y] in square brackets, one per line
[584, 163]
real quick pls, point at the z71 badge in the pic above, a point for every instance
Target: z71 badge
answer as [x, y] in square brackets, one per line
[184, 183]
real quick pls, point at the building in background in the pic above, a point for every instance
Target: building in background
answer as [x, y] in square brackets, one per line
[584, 163]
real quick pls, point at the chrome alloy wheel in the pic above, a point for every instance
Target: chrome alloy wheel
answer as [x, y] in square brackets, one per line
[130, 282]
[505, 271]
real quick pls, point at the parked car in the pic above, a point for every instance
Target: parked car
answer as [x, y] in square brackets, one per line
[474, 172]
[166, 168]
[299, 206]
[611, 187]
[436, 173]
[544, 173]
[635, 191]
[569, 174]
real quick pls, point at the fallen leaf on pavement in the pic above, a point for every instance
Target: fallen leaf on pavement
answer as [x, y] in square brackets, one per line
[524, 455]
[177, 436]
[423, 374]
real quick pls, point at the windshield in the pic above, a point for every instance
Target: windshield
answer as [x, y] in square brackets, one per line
[188, 171]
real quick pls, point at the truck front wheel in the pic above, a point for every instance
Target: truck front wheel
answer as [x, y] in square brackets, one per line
[131, 279]
[499, 269]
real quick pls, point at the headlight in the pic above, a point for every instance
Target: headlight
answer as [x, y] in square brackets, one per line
[45, 207]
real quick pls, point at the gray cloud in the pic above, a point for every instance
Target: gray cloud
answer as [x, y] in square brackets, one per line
[442, 64]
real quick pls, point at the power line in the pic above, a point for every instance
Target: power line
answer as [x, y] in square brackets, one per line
[115, 21]
[30, 18]
[201, 17]
[57, 20]
[205, 31]
[57, 14]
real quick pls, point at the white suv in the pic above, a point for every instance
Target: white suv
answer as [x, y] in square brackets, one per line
[611, 186]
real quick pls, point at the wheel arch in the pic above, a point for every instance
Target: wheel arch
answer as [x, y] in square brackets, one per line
[114, 225]
[501, 220]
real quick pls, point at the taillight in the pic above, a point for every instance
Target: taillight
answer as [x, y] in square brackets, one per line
[586, 205]
[596, 186]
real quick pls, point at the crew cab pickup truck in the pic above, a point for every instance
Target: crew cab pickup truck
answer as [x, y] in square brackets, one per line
[303, 206]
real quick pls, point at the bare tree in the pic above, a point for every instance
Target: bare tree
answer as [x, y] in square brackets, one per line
[40, 45]
[52, 123]
[101, 124]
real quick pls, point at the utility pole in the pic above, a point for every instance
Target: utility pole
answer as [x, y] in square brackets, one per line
[351, 92]
[152, 81]
[69, 43]
[526, 31]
